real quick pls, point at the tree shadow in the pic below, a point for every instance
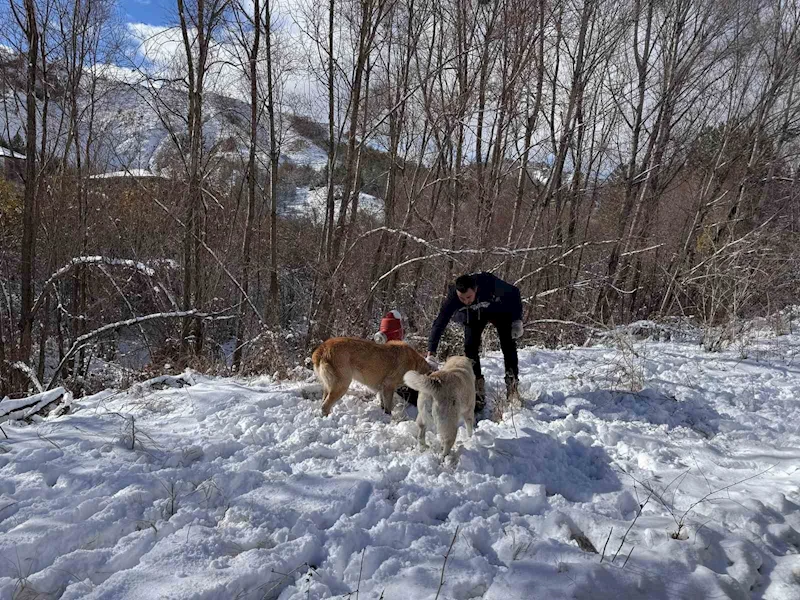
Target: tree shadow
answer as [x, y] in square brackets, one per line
[752, 363]
[319, 499]
[571, 469]
[647, 406]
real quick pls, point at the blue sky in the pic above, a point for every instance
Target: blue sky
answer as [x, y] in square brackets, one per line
[152, 12]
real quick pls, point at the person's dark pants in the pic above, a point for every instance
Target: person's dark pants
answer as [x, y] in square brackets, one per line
[407, 394]
[473, 330]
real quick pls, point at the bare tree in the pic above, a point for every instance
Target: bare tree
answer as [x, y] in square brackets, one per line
[28, 24]
[366, 20]
[274, 157]
[198, 23]
[249, 38]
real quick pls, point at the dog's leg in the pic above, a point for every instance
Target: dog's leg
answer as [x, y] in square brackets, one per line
[447, 425]
[448, 441]
[422, 407]
[387, 398]
[333, 396]
[469, 422]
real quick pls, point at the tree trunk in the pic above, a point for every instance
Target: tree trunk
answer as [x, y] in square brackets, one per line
[251, 181]
[191, 209]
[274, 157]
[29, 210]
[604, 298]
[366, 34]
[330, 205]
[351, 156]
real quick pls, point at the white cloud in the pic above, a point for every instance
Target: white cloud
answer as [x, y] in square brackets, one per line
[159, 52]
[159, 45]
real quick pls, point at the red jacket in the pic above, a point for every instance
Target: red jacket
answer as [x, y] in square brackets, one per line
[392, 326]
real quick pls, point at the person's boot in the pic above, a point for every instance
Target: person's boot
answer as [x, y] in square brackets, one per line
[480, 394]
[512, 386]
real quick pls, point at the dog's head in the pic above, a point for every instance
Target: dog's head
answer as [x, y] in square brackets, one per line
[458, 362]
[410, 355]
[422, 365]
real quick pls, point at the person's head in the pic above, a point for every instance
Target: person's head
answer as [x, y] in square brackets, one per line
[466, 288]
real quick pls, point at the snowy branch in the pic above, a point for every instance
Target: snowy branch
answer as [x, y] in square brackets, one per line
[81, 340]
[561, 257]
[563, 322]
[399, 266]
[11, 410]
[437, 251]
[88, 260]
[735, 242]
[28, 372]
[640, 250]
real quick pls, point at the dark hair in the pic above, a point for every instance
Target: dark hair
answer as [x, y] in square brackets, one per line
[466, 282]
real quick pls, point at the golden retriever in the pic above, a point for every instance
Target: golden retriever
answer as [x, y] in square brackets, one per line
[380, 367]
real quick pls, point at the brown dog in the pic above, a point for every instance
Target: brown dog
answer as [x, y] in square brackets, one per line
[380, 367]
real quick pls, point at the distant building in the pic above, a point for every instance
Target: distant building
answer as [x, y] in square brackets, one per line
[132, 174]
[134, 181]
[12, 164]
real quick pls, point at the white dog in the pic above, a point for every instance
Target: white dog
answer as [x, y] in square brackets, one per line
[450, 393]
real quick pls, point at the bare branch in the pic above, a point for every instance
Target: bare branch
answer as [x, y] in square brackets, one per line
[81, 340]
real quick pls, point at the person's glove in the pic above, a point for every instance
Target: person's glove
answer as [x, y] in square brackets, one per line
[379, 337]
[517, 330]
[432, 363]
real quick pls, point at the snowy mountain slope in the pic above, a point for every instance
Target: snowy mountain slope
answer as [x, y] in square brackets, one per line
[132, 135]
[240, 489]
[132, 124]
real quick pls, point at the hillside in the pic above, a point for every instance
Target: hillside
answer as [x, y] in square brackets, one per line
[132, 124]
[135, 128]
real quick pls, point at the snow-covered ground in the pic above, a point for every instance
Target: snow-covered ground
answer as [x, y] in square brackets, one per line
[310, 203]
[240, 489]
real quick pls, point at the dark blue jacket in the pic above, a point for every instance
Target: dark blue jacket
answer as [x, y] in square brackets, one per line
[494, 298]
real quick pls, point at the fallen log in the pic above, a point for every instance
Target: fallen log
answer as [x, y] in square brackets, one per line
[25, 408]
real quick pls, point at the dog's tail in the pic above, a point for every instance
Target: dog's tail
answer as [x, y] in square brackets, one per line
[316, 357]
[422, 383]
[322, 367]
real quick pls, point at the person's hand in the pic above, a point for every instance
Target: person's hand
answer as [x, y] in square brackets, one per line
[432, 362]
[517, 329]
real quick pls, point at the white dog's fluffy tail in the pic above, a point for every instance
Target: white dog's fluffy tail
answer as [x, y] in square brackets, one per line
[420, 382]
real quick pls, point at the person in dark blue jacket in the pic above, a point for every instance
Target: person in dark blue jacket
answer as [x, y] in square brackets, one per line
[475, 301]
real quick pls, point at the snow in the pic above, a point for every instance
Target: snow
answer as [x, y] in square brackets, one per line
[25, 407]
[301, 151]
[105, 260]
[239, 488]
[118, 73]
[133, 122]
[8, 153]
[136, 173]
[311, 203]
